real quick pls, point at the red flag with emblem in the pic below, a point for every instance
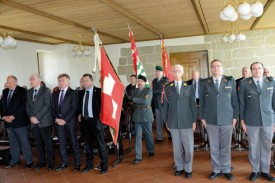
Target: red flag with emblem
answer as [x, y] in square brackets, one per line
[111, 96]
[166, 64]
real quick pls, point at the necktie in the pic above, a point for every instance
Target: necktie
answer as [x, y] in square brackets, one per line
[259, 86]
[217, 84]
[86, 113]
[195, 85]
[177, 88]
[9, 97]
[34, 96]
[60, 101]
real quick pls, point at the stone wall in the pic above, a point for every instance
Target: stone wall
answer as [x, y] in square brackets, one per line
[259, 46]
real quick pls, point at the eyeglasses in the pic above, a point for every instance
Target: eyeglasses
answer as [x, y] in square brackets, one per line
[177, 71]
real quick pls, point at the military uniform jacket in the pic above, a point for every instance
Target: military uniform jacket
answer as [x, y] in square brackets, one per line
[257, 108]
[219, 107]
[179, 111]
[142, 105]
[157, 91]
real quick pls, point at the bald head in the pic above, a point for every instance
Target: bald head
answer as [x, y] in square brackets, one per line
[267, 72]
[245, 72]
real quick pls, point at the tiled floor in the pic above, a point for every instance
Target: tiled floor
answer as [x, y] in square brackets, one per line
[158, 169]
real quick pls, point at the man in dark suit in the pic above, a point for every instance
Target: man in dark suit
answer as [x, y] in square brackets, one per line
[157, 87]
[257, 106]
[143, 118]
[64, 111]
[13, 112]
[39, 100]
[195, 81]
[180, 114]
[89, 112]
[245, 74]
[219, 111]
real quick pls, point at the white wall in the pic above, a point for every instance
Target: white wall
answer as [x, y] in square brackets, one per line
[57, 59]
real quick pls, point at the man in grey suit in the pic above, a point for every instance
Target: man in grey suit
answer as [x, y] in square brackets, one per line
[38, 108]
[219, 111]
[257, 105]
[143, 118]
[180, 114]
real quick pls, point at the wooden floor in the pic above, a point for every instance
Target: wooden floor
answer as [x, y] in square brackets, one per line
[158, 169]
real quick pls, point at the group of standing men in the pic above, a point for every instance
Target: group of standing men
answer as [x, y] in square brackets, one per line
[221, 104]
[45, 111]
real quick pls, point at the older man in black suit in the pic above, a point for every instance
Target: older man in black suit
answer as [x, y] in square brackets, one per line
[38, 108]
[89, 112]
[13, 112]
[64, 111]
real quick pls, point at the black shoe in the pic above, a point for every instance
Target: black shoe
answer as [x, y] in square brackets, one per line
[29, 165]
[76, 168]
[50, 166]
[159, 141]
[103, 171]
[229, 176]
[267, 176]
[137, 161]
[178, 173]
[61, 167]
[188, 175]
[86, 169]
[151, 154]
[12, 165]
[39, 166]
[254, 176]
[213, 175]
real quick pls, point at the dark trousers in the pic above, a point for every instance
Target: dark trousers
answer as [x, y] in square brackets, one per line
[92, 133]
[43, 139]
[69, 129]
[19, 139]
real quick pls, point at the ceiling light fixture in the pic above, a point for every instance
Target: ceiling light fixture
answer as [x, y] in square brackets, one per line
[80, 50]
[245, 10]
[7, 41]
[233, 35]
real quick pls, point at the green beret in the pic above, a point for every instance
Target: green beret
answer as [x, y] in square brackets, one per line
[142, 78]
[159, 68]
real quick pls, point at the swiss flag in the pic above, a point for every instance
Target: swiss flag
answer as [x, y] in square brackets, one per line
[111, 96]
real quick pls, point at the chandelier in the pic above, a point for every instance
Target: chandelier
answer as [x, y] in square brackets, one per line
[80, 50]
[7, 41]
[233, 9]
[233, 35]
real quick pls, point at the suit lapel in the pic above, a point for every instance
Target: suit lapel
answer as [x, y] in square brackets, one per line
[222, 84]
[13, 95]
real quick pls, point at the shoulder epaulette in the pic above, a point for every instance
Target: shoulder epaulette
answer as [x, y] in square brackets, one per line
[229, 77]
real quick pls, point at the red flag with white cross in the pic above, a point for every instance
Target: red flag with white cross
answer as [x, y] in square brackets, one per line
[111, 96]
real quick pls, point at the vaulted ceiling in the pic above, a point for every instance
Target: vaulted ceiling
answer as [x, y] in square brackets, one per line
[61, 21]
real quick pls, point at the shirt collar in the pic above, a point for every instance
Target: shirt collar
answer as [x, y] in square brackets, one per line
[260, 79]
[90, 89]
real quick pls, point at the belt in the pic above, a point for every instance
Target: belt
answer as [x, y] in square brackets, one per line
[141, 107]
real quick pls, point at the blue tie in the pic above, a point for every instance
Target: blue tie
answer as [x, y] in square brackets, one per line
[9, 97]
[60, 101]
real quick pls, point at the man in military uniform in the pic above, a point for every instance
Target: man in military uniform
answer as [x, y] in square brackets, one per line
[219, 112]
[143, 118]
[257, 105]
[180, 114]
[157, 86]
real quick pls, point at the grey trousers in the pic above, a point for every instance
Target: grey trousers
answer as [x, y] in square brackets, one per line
[259, 142]
[159, 124]
[220, 138]
[183, 148]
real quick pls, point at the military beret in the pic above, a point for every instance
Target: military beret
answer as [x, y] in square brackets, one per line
[159, 68]
[142, 78]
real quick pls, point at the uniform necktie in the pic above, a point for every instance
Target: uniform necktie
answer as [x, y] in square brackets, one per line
[259, 86]
[177, 88]
[9, 97]
[217, 84]
[86, 113]
[61, 101]
[34, 96]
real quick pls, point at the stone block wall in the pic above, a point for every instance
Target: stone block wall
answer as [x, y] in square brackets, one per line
[259, 46]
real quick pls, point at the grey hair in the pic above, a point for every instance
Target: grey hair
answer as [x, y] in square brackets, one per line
[177, 65]
[36, 75]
